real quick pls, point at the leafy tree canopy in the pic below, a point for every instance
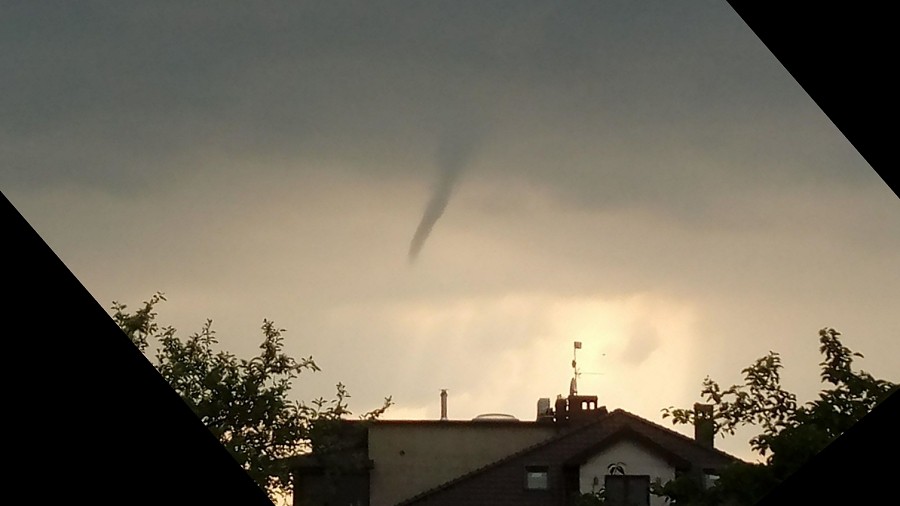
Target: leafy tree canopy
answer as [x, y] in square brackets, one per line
[791, 433]
[244, 402]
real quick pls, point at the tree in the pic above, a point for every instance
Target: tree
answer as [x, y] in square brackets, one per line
[791, 433]
[244, 403]
[590, 499]
[597, 497]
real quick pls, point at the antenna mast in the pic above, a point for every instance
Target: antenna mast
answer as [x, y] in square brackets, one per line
[573, 387]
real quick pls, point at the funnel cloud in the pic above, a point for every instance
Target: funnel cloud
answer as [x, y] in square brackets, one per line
[453, 154]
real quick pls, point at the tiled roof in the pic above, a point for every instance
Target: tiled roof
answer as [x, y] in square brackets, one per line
[501, 482]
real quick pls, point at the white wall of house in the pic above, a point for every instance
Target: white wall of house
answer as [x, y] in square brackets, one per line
[636, 459]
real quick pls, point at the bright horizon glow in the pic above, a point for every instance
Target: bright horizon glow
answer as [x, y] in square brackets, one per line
[645, 178]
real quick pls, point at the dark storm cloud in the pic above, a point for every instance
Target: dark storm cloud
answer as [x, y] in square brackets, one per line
[604, 104]
[103, 85]
[635, 147]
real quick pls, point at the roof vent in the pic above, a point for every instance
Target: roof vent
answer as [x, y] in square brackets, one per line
[544, 411]
[495, 417]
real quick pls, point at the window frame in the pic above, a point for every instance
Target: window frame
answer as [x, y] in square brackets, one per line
[535, 469]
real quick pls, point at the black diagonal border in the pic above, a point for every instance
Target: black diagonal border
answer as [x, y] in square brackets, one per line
[841, 55]
[857, 468]
[89, 418]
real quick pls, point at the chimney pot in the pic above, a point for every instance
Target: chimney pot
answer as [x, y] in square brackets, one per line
[703, 425]
[444, 404]
[560, 413]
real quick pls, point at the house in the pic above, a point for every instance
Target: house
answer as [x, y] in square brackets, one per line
[573, 448]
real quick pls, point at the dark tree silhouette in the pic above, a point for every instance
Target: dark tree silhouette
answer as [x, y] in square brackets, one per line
[791, 433]
[244, 402]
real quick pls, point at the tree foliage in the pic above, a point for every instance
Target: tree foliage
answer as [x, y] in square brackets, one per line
[597, 497]
[791, 433]
[243, 402]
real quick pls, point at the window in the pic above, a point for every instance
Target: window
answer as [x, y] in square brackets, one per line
[627, 490]
[537, 478]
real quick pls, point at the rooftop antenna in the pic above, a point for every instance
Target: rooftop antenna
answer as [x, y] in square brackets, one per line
[573, 386]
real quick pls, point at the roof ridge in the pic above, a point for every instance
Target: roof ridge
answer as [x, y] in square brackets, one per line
[675, 433]
[503, 460]
[617, 413]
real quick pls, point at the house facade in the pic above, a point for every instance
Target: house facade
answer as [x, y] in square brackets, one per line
[577, 447]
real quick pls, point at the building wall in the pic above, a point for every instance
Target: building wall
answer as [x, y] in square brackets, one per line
[309, 490]
[635, 458]
[404, 455]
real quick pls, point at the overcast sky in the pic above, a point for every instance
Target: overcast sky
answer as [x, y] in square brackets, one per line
[643, 177]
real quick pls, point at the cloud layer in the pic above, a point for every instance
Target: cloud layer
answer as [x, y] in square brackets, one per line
[645, 178]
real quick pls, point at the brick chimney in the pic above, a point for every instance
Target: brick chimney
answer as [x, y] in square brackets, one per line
[561, 411]
[703, 424]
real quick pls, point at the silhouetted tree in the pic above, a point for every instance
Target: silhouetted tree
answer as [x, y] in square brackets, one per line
[243, 402]
[791, 433]
[597, 498]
